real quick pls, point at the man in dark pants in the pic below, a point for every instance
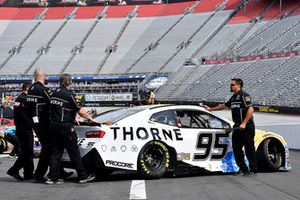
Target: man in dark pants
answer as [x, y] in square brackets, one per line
[25, 137]
[63, 109]
[38, 101]
[242, 115]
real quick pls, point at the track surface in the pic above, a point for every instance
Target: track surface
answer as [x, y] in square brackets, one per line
[273, 186]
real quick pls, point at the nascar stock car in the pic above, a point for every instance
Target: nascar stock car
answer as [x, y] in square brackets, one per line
[153, 140]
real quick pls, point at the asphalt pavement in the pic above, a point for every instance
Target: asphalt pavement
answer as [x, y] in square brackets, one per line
[119, 186]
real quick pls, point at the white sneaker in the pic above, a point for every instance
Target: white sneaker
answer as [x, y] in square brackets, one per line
[88, 179]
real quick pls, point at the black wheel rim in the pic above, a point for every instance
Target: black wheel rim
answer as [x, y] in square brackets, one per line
[273, 153]
[153, 157]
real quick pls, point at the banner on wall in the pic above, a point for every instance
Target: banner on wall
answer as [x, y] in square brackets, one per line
[120, 97]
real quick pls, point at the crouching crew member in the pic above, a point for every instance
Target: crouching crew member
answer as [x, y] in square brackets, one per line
[63, 109]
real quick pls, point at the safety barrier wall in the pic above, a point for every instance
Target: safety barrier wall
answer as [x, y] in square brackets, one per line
[118, 11]
[27, 13]
[176, 9]
[8, 13]
[254, 8]
[290, 132]
[58, 13]
[274, 11]
[150, 10]
[88, 12]
[207, 5]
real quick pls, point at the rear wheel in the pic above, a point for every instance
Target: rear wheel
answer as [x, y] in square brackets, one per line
[269, 155]
[154, 160]
[3, 145]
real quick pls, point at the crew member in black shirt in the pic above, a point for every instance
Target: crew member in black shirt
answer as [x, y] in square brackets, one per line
[242, 115]
[38, 101]
[25, 137]
[63, 111]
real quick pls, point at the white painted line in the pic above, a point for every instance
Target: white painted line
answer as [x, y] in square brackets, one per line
[3, 155]
[138, 190]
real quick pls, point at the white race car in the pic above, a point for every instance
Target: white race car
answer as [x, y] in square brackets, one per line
[153, 140]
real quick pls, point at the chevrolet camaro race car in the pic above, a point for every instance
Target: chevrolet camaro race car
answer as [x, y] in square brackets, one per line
[157, 139]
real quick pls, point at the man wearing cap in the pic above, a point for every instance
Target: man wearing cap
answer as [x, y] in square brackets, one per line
[149, 99]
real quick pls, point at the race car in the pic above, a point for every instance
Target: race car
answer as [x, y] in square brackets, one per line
[5, 122]
[153, 140]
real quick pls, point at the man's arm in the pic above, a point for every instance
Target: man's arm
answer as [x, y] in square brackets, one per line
[85, 115]
[249, 114]
[218, 107]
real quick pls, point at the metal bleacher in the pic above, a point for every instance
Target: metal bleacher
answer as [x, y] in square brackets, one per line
[173, 40]
[267, 80]
[95, 46]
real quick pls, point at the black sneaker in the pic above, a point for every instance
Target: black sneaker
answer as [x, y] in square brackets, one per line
[87, 179]
[40, 179]
[65, 174]
[14, 174]
[56, 182]
[238, 173]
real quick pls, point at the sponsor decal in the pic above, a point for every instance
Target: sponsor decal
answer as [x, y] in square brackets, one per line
[183, 156]
[104, 148]
[123, 148]
[30, 99]
[90, 145]
[267, 109]
[80, 141]
[134, 148]
[113, 149]
[56, 102]
[235, 106]
[119, 164]
[247, 99]
[108, 97]
[142, 133]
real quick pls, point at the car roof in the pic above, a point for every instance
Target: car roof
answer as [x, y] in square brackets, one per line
[171, 106]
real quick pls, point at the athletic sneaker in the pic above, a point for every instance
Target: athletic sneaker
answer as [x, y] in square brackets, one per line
[52, 182]
[87, 179]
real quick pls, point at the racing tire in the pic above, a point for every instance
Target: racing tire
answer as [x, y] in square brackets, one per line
[269, 155]
[154, 160]
[3, 145]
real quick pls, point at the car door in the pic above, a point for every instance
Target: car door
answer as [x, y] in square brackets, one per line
[206, 143]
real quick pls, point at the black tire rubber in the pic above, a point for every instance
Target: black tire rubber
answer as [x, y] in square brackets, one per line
[269, 155]
[103, 173]
[3, 145]
[154, 160]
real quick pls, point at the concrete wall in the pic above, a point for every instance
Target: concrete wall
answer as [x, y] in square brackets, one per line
[290, 132]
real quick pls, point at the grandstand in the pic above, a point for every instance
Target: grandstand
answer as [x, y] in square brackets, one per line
[197, 45]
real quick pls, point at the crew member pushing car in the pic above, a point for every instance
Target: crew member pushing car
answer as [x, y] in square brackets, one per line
[242, 115]
[63, 109]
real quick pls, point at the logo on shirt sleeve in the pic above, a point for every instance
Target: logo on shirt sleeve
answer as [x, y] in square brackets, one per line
[247, 99]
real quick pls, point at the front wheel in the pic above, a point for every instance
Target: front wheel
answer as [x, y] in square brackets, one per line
[154, 160]
[269, 155]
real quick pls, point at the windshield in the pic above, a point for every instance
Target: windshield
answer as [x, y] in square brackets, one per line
[116, 115]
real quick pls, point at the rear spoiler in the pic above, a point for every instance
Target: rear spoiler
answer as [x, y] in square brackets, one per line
[87, 124]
